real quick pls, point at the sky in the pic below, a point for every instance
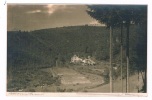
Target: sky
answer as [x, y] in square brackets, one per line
[34, 17]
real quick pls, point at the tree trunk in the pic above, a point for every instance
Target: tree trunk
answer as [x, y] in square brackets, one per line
[56, 63]
[110, 54]
[121, 49]
[127, 55]
[145, 83]
[138, 81]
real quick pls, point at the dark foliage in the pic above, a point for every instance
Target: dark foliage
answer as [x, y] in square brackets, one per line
[42, 47]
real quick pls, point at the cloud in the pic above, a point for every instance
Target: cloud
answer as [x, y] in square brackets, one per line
[53, 8]
[58, 15]
[34, 11]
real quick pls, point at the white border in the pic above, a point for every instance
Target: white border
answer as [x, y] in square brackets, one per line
[3, 42]
[79, 94]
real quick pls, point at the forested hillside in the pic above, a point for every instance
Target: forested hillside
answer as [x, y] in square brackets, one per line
[41, 48]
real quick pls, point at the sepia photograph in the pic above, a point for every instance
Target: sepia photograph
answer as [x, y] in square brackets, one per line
[76, 48]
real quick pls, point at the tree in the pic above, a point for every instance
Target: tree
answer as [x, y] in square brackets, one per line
[140, 18]
[107, 15]
[135, 14]
[114, 16]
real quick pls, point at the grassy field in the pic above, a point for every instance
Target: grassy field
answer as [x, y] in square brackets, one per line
[69, 79]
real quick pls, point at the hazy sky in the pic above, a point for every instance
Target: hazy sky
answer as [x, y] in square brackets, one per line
[32, 17]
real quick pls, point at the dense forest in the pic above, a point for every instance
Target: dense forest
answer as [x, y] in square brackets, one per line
[41, 48]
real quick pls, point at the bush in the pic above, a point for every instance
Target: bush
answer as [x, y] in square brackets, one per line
[32, 90]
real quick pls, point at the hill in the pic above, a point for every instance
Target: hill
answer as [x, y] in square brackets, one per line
[44, 47]
[27, 52]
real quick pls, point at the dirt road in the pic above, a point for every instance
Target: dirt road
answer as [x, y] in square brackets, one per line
[79, 81]
[71, 79]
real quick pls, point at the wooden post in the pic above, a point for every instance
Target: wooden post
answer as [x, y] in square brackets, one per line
[121, 49]
[110, 54]
[127, 54]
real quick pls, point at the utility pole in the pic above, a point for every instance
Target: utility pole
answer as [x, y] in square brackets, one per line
[121, 49]
[110, 54]
[127, 54]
